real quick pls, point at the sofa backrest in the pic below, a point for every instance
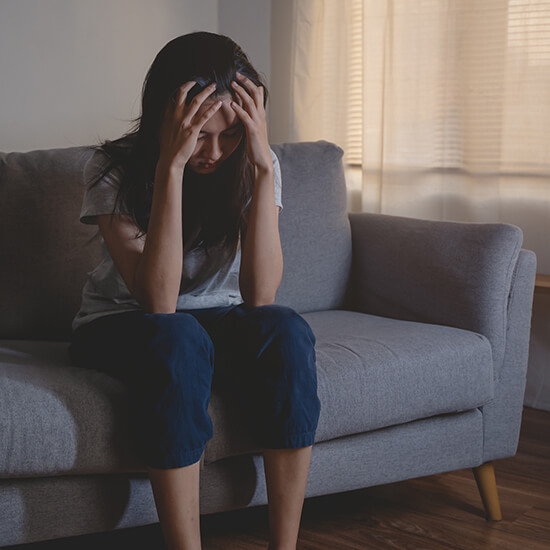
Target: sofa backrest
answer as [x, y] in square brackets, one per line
[314, 226]
[46, 252]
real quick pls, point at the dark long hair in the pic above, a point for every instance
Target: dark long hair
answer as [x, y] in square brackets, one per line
[214, 205]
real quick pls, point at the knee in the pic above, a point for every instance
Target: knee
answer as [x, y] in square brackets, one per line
[287, 404]
[177, 341]
[286, 346]
[285, 325]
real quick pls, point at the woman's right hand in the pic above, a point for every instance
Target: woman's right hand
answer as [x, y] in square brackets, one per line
[181, 126]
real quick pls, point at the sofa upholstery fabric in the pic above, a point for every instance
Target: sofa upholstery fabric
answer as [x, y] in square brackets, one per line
[314, 227]
[426, 272]
[43, 271]
[73, 505]
[64, 420]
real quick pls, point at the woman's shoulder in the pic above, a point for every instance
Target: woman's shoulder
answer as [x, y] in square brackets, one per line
[98, 162]
[105, 165]
[101, 171]
[103, 175]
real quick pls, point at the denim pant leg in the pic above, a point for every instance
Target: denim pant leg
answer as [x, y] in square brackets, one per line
[266, 356]
[166, 360]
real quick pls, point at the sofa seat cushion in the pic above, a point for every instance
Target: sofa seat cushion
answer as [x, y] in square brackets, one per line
[375, 372]
[56, 419]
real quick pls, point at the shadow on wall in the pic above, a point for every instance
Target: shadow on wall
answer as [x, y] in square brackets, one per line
[537, 391]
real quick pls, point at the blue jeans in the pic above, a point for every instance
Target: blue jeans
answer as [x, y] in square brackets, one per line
[263, 356]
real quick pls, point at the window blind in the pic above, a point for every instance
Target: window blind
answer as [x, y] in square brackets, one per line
[465, 81]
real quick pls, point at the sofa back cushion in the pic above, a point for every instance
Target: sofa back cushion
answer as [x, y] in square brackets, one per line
[44, 249]
[314, 226]
[46, 252]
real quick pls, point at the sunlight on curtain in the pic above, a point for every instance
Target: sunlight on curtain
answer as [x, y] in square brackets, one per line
[442, 106]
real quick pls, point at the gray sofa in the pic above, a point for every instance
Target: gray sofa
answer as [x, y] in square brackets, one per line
[422, 336]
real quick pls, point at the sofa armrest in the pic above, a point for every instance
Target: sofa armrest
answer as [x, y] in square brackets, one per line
[446, 273]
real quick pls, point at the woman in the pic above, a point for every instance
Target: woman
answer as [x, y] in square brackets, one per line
[187, 204]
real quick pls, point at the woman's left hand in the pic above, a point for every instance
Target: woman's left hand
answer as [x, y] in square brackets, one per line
[251, 112]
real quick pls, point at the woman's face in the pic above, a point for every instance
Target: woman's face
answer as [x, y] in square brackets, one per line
[219, 137]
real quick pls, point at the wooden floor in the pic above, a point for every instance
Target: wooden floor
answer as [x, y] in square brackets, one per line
[434, 513]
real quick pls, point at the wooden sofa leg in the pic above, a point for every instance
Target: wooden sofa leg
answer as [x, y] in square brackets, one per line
[487, 485]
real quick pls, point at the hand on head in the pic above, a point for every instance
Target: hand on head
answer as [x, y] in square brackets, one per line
[204, 133]
[182, 124]
[250, 109]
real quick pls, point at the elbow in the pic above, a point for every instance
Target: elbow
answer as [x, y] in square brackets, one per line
[258, 299]
[258, 293]
[158, 308]
[153, 301]
[258, 303]
[154, 305]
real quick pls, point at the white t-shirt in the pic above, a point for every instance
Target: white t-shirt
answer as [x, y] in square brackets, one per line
[105, 291]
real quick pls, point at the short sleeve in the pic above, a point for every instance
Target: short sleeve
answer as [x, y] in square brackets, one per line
[99, 195]
[277, 180]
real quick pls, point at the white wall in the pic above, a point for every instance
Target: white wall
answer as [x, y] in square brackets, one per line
[248, 22]
[72, 70]
[282, 42]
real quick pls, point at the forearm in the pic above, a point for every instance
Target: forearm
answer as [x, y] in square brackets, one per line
[158, 271]
[262, 258]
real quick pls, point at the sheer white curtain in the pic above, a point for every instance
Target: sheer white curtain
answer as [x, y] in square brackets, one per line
[442, 106]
